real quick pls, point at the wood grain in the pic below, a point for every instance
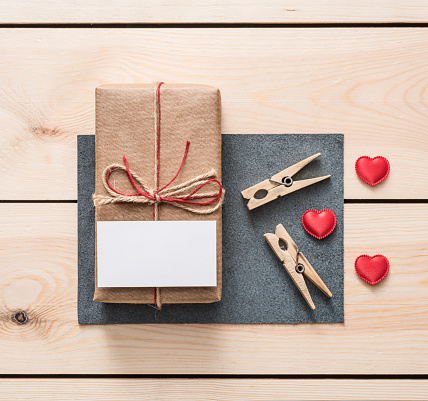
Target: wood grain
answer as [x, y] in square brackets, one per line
[385, 329]
[212, 389]
[215, 11]
[369, 84]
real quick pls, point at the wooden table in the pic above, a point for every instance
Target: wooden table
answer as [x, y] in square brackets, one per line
[359, 68]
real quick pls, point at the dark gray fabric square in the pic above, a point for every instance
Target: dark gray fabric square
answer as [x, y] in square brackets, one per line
[256, 287]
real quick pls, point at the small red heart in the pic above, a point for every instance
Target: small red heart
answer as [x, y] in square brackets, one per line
[319, 224]
[372, 171]
[372, 269]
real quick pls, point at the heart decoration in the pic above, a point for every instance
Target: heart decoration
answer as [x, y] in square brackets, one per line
[372, 269]
[372, 170]
[319, 223]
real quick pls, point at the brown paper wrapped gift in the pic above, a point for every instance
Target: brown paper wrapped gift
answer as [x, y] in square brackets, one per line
[126, 125]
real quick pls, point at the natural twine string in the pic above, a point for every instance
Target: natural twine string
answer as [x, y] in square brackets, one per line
[156, 118]
[167, 195]
[184, 195]
[156, 97]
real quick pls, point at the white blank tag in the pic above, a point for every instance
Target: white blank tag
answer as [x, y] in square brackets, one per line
[156, 254]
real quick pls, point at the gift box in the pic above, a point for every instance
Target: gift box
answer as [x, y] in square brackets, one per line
[158, 158]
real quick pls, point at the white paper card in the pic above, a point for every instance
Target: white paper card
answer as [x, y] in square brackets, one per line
[156, 254]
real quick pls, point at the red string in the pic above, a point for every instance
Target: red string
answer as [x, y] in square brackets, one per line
[189, 199]
[158, 161]
[159, 132]
[179, 169]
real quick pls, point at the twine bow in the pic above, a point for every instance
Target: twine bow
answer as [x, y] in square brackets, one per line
[182, 195]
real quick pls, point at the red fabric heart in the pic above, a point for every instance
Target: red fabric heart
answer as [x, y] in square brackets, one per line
[372, 171]
[372, 269]
[319, 224]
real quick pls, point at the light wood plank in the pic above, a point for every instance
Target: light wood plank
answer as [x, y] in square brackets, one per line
[215, 11]
[385, 329]
[367, 83]
[212, 389]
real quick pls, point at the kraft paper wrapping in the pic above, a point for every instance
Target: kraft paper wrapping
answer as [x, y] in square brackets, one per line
[125, 126]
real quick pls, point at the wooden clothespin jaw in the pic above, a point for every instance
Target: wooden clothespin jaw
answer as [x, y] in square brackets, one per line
[295, 263]
[279, 185]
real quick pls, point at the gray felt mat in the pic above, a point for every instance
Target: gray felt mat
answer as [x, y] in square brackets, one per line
[256, 287]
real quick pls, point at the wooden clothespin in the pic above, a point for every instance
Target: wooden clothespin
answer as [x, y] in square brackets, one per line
[295, 263]
[280, 184]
